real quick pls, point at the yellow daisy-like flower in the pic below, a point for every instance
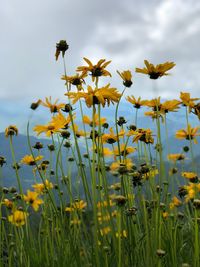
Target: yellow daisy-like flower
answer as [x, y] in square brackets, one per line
[154, 115]
[96, 70]
[29, 160]
[143, 135]
[157, 71]
[61, 121]
[186, 100]
[170, 106]
[137, 103]
[54, 107]
[126, 77]
[32, 199]
[8, 203]
[42, 187]
[176, 157]
[193, 190]
[192, 176]
[76, 80]
[124, 150]
[165, 215]
[18, 218]
[57, 123]
[87, 120]
[105, 203]
[189, 133]
[122, 166]
[76, 206]
[78, 132]
[111, 138]
[104, 95]
[105, 151]
[175, 203]
[123, 234]
[11, 130]
[105, 231]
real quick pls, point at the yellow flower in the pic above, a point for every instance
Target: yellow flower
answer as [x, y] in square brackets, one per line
[8, 203]
[78, 132]
[29, 160]
[150, 174]
[176, 157]
[87, 120]
[111, 138]
[61, 120]
[57, 123]
[122, 234]
[165, 215]
[192, 176]
[54, 107]
[126, 77]
[42, 187]
[11, 130]
[32, 199]
[18, 218]
[105, 231]
[137, 103]
[192, 190]
[105, 203]
[189, 133]
[95, 70]
[187, 100]
[157, 71]
[165, 107]
[175, 203]
[75, 222]
[76, 206]
[170, 106]
[76, 80]
[155, 104]
[103, 95]
[154, 115]
[105, 151]
[121, 166]
[124, 150]
[143, 135]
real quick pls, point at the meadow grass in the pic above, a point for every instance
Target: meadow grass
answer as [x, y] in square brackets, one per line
[117, 203]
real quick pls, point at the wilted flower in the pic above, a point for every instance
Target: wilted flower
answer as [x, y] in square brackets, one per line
[62, 46]
[35, 105]
[11, 130]
[2, 161]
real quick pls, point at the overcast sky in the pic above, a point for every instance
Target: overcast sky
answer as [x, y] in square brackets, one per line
[126, 32]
